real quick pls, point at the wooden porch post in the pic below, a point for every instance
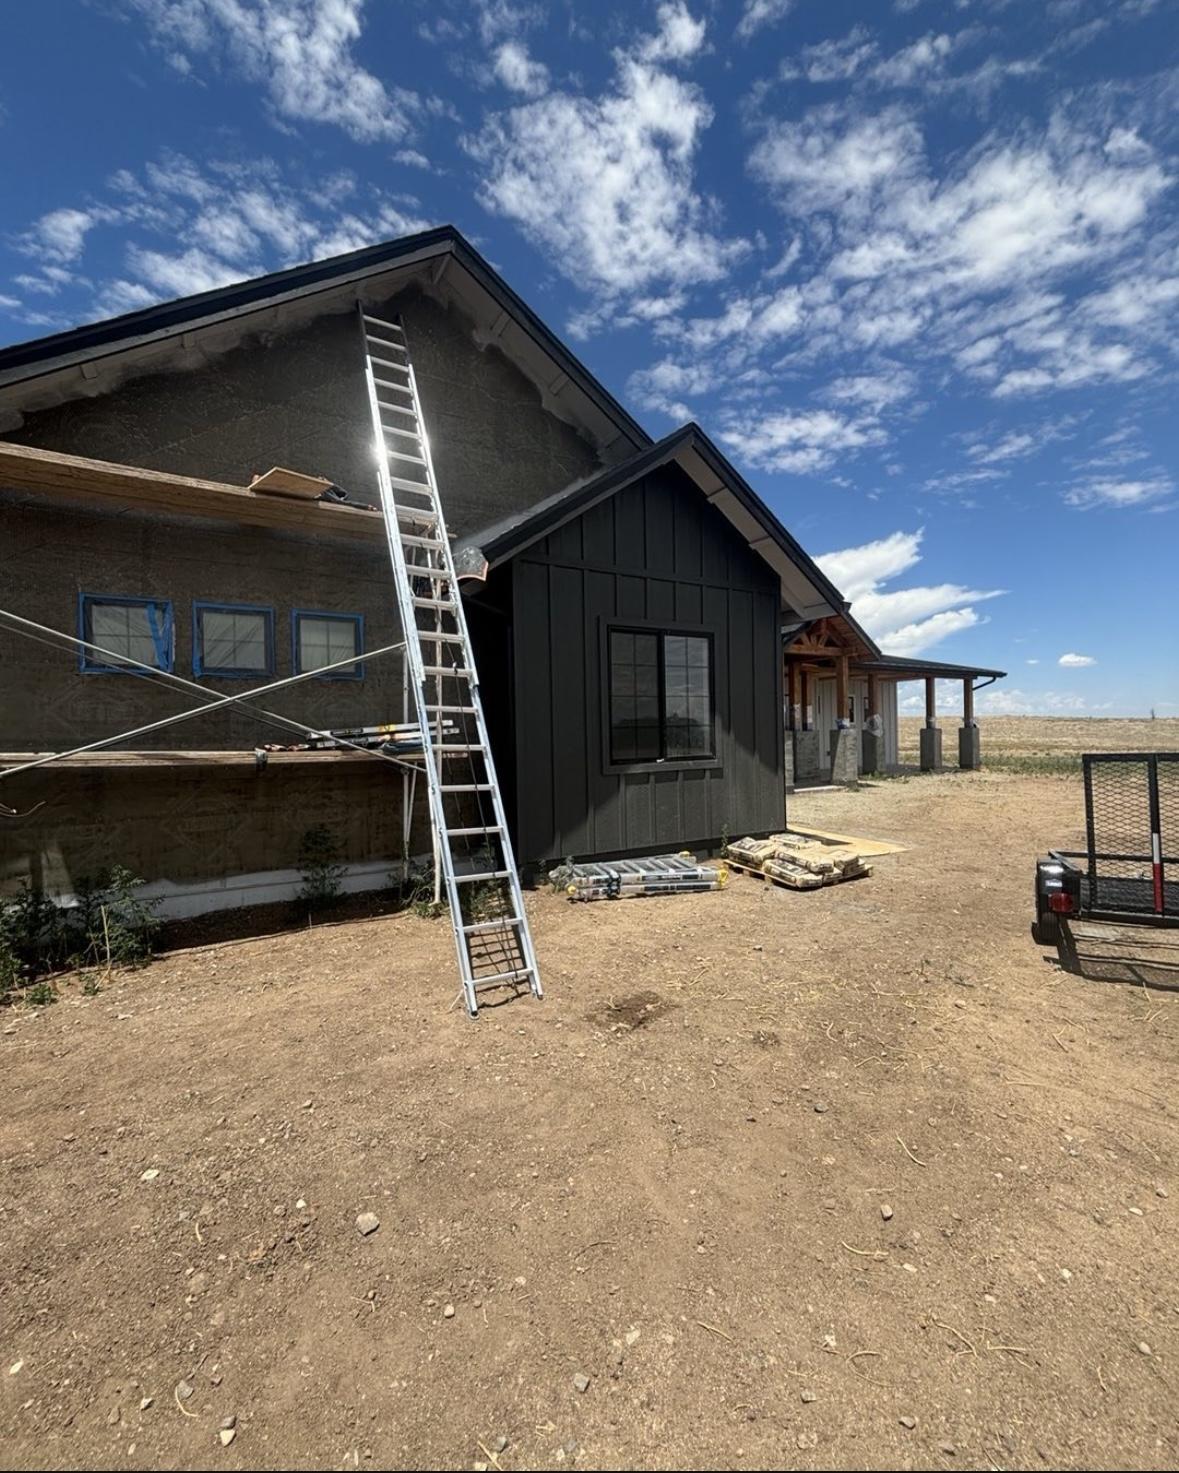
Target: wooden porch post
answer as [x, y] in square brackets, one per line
[792, 693]
[968, 701]
[841, 718]
[804, 697]
[969, 744]
[930, 701]
[873, 694]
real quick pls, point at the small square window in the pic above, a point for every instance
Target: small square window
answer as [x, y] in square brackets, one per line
[326, 639]
[232, 639]
[132, 629]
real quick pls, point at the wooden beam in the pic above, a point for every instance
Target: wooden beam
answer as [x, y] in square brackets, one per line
[792, 693]
[841, 689]
[930, 700]
[804, 697]
[968, 701]
[103, 482]
[873, 693]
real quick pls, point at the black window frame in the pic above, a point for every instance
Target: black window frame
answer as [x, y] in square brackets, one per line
[661, 632]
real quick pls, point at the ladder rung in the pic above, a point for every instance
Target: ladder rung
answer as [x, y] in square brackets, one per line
[490, 874]
[388, 343]
[397, 409]
[405, 434]
[460, 670]
[452, 710]
[399, 483]
[498, 925]
[387, 383]
[434, 603]
[491, 828]
[416, 514]
[401, 455]
[457, 747]
[409, 541]
[494, 981]
[380, 322]
[397, 367]
[464, 787]
[429, 636]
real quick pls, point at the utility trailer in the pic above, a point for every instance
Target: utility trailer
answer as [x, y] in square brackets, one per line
[1129, 870]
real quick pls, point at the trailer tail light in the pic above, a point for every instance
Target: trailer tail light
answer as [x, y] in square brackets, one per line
[1061, 902]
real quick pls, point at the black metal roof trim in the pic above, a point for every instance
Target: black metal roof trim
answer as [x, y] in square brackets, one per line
[96, 339]
[476, 554]
[932, 667]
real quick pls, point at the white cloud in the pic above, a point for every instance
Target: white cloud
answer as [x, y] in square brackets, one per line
[1109, 491]
[874, 391]
[914, 63]
[1075, 662]
[517, 70]
[189, 228]
[679, 35]
[906, 621]
[605, 184]
[799, 442]
[759, 13]
[60, 235]
[1031, 662]
[831, 61]
[300, 51]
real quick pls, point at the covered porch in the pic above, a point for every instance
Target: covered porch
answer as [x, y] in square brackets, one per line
[841, 705]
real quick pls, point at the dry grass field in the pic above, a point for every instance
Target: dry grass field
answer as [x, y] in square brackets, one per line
[857, 1177]
[1047, 746]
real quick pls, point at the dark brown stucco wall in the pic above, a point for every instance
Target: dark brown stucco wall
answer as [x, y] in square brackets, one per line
[297, 398]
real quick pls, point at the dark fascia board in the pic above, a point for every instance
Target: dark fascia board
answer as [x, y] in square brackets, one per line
[24, 361]
[892, 664]
[478, 554]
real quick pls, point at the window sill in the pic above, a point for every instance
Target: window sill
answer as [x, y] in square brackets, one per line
[676, 764]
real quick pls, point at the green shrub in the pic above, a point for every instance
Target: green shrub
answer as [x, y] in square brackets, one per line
[320, 865]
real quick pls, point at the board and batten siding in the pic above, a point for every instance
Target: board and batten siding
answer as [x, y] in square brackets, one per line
[656, 553]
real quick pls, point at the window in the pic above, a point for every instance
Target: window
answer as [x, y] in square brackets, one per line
[232, 639]
[660, 696]
[135, 628]
[324, 639]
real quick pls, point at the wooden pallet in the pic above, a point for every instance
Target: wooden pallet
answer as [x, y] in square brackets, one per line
[805, 880]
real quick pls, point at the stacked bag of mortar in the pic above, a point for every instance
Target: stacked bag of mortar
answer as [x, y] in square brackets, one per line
[798, 860]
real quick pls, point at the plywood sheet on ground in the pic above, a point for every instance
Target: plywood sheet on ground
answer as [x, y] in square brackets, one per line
[867, 847]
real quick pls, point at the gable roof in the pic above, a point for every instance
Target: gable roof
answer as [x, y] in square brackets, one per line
[806, 589]
[94, 357]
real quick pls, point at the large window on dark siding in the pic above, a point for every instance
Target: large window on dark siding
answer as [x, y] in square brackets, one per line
[660, 696]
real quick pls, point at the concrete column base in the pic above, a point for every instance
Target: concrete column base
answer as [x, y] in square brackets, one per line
[871, 752]
[845, 755]
[969, 748]
[931, 749]
[788, 760]
[806, 756]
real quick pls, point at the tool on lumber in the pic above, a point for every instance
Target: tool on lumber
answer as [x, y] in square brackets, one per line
[478, 869]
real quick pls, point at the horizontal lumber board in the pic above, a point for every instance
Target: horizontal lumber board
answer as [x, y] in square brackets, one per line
[77, 477]
[211, 758]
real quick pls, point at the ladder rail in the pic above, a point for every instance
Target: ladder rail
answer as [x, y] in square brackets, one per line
[422, 673]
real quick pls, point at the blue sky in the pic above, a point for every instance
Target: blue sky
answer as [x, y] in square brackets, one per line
[915, 265]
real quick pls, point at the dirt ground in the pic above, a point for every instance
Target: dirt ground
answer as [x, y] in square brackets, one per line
[1045, 744]
[673, 1177]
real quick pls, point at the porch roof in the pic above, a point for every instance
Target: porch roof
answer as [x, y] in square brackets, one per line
[906, 667]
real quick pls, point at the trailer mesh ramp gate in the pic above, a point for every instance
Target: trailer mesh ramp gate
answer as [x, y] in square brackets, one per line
[474, 850]
[1132, 823]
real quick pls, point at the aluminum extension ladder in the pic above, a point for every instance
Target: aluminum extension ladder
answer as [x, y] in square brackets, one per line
[474, 850]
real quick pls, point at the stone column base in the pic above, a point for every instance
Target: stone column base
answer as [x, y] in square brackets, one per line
[806, 756]
[969, 748]
[872, 752]
[931, 749]
[845, 755]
